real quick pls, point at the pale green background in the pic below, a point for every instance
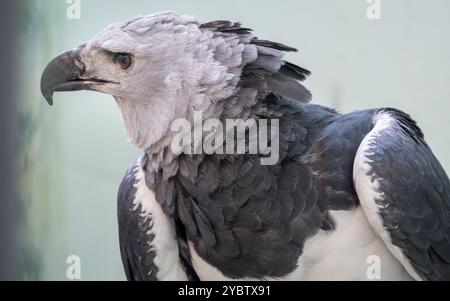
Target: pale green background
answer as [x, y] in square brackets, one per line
[75, 153]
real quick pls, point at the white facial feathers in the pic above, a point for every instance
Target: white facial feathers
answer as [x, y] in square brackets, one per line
[177, 67]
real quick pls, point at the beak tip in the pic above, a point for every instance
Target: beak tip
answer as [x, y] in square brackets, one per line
[46, 90]
[50, 101]
[62, 68]
[48, 95]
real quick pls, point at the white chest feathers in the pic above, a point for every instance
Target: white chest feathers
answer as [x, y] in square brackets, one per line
[351, 252]
[164, 244]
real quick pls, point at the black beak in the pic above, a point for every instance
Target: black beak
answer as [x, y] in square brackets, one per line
[63, 73]
[67, 72]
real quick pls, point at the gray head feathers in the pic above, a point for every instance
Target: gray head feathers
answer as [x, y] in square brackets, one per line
[183, 65]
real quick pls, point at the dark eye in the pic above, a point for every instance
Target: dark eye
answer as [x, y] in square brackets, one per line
[123, 59]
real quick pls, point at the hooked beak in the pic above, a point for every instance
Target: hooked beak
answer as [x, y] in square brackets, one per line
[66, 72]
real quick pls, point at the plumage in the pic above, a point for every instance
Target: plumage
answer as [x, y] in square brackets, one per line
[415, 194]
[344, 186]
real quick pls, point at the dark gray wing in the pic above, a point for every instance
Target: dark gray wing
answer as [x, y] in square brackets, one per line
[251, 220]
[138, 245]
[332, 157]
[414, 192]
[133, 228]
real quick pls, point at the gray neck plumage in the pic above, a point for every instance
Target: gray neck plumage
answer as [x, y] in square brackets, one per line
[254, 70]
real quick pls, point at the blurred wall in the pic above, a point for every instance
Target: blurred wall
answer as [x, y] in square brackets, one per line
[76, 152]
[10, 205]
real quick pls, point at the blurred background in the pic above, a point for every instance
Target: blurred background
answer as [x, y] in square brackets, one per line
[62, 165]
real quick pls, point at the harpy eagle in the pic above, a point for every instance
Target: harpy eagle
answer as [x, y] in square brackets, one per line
[345, 187]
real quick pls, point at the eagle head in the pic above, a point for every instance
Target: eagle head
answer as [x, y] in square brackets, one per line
[164, 67]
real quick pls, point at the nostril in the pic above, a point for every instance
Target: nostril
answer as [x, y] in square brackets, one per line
[80, 66]
[76, 58]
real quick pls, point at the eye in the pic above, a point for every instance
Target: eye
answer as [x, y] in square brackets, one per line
[123, 59]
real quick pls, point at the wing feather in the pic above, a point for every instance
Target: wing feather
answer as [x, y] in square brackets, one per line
[405, 194]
